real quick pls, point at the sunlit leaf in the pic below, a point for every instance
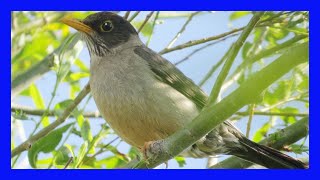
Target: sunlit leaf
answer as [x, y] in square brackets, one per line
[81, 65]
[289, 119]
[79, 75]
[86, 131]
[61, 106]
[298, 149]
[262, 132]
[111, 162]
[81, 154]
[39, 102]
[181, 161]
[46, 144]
[238, 14]
[147, 28]
[246, 47]
[279, 92]
[62, 156]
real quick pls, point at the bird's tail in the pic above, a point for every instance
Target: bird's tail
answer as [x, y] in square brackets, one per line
[266, 156]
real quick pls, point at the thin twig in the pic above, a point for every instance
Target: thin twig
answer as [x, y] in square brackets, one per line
[235, 48]
[212, 38]
[211, 116]
[262, 54]
[183, 28]
[28, 143]
[126, 15]
[68, 163]
[133, 16]
[251, 113]
[23, 80]
[145, 21]
[101, 150]
[200, 41]
[214, 68]
[40, 22]
[202, 48]
[153, 26]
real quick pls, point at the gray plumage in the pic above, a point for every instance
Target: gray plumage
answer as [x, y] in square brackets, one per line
[144, 97]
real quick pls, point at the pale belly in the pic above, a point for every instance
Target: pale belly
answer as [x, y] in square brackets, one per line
[140, 113]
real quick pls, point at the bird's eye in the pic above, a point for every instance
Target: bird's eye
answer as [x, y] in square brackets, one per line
[107, 26]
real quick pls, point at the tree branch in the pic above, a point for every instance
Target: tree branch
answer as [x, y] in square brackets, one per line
[259, 56]
[38, 23]
[263, 23]
[210, 117]
[40, 112]
[183, 28]
[145, 21]
[133, 16]
[28, 143]
[277, 140]
[23, 80]
[231, 55]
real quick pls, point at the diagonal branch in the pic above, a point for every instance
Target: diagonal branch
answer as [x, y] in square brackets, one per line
[28, 143]
[262, 23]
[23, 80]
[210, 117]
[277, 140]
[231, 55]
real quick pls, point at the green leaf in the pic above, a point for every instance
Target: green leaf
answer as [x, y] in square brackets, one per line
[96, 139]
[238, 14]
[36, 97]
[281, 91]
[298, 149]
[147, 28]
[46, 144]
[70, 149]
[262, 132]
[61, 106]
[20, 116]
[86, 131]
[74, 89]
[79, 117]
[181, 161]
[246, 47]
[111, 162]
[78, 75]
[82, 153]
[62, 156]
[289, 119]
[39, 102]
[81, 65]
[69, 52]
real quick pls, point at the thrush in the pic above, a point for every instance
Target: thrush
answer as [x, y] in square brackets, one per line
[144, 97]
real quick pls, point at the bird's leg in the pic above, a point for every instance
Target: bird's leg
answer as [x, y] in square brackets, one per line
[152, 149]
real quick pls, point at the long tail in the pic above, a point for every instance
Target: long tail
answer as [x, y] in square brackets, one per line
[266, 156]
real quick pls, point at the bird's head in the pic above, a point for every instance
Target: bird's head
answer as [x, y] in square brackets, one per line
[103, 31]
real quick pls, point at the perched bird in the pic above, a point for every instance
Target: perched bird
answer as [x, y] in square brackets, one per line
[143, 97]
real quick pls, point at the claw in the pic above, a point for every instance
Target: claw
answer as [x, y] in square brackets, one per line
[146, 148]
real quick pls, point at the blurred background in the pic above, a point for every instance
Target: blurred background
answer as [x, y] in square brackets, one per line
[50, 66]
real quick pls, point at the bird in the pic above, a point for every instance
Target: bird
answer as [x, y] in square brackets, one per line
[143, 97]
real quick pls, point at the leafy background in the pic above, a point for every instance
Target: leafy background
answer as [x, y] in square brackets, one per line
[51, 55]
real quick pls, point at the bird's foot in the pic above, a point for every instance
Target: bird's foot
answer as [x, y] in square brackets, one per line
[152, 149]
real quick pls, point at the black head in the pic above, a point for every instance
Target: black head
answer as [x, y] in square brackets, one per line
[103, 31]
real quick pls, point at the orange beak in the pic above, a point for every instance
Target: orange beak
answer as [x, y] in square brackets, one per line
[76, 24]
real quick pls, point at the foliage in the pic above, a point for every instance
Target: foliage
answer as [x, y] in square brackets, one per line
[81, 142]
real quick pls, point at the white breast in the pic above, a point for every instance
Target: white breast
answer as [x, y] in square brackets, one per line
[136, 105]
